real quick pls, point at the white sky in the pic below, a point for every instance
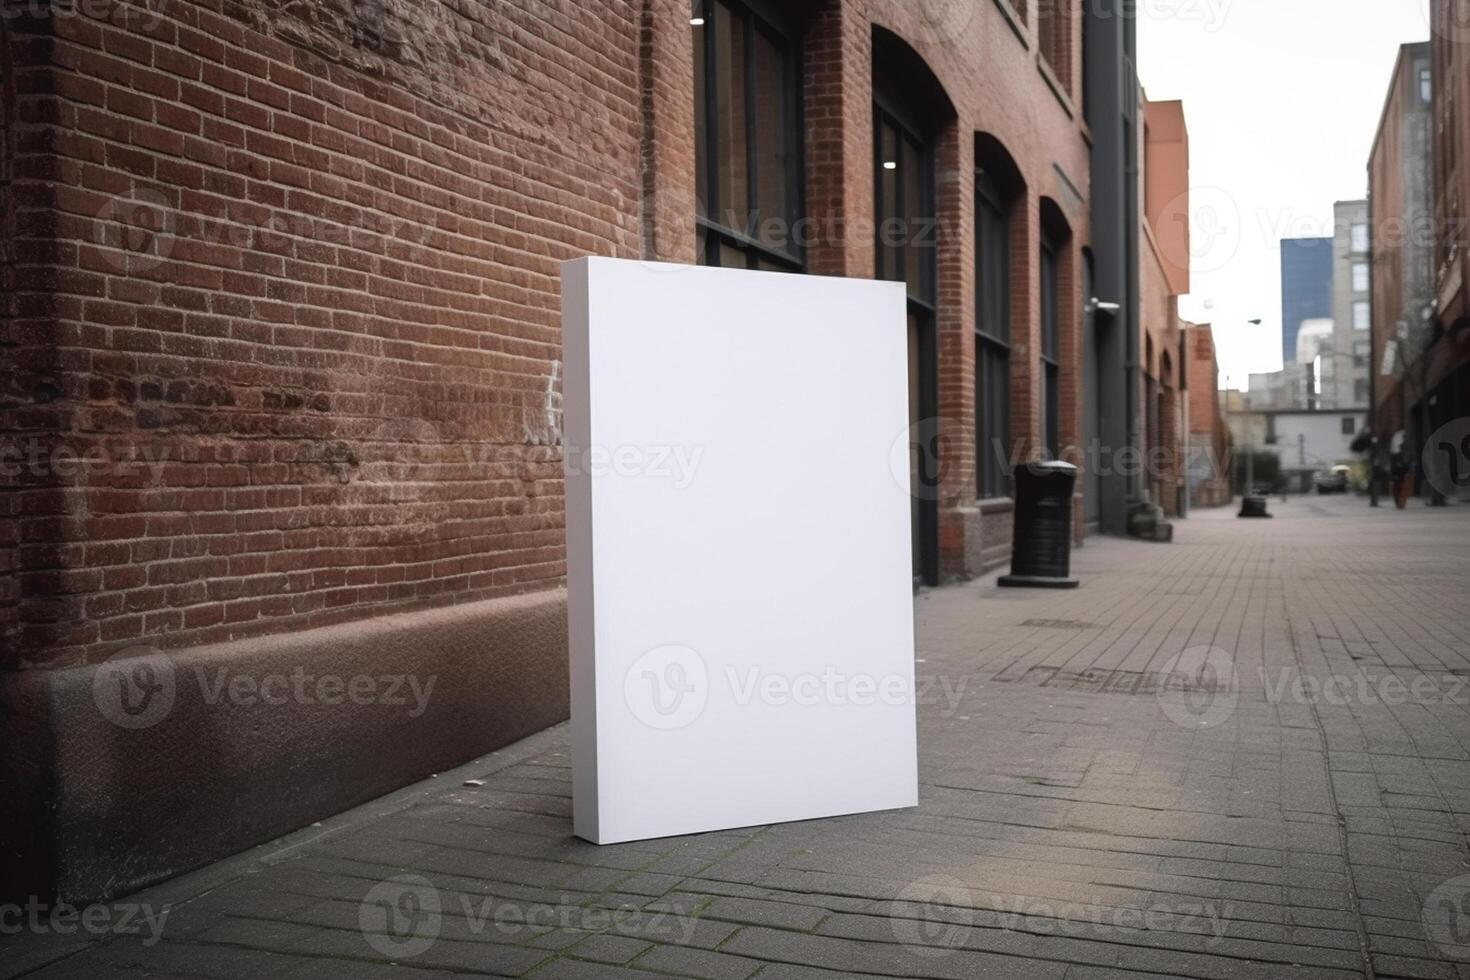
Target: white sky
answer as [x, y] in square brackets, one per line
[1282, 99]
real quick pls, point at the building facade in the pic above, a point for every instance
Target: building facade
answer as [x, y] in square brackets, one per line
[1444, 377]
[1343, 363]
[1310, 442]
[283, 351]
[1400, 179]
[1450, 99]
[1306, 288]
[1209, 450]
[1164, 277]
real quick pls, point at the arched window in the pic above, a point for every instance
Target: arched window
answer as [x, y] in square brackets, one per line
[998, 185]
[909, 108]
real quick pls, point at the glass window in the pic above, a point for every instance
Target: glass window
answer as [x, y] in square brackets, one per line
[1360, 238]
[1362, 315]
[1053, 29]
[1426, 85]
[1360, 277]
[1349, 427]
[906, 230]
[906, 244]
[918, 250]
[747, 147]
[1050, 336]
[992, 342]
[773, 177]
[730, 119]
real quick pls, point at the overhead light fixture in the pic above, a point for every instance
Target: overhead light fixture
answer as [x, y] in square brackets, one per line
[696, 21]
[890, 164]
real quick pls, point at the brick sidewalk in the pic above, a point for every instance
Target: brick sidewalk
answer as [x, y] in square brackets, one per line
[1243, 755]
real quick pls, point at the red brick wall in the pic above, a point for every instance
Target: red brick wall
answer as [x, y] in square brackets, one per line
[1204, 380]
[338, 364]
[1208, 436]
[289, 286]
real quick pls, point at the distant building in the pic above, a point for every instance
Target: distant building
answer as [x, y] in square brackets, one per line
[1208, 445]
[1444, 377]
[1306, 288]
[1309, 442]
[1400, 178]
[1163, 278]
[1306, 442]
[1344, 362]
[1291, 387]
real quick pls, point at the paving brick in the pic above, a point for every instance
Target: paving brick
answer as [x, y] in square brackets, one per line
[1080, 833]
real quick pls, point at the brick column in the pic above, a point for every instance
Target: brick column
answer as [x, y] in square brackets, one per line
[666, 92]
[838, 64]
[959, 515]
[1026, 326]
[1169, 451]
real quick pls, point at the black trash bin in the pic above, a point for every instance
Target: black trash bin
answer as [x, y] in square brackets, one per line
[1041, 554]
[1253, 505]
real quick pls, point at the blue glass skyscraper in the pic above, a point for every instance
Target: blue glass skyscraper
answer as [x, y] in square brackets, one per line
[1306, 287]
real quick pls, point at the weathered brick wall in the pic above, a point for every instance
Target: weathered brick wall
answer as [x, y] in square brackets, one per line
[282, 296]
[302, 321]
[29, 361]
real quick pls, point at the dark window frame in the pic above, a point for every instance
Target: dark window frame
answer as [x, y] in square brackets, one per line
[992, 341]
[907, 132]
[923, 307]
[714, 235]
[1051, 337]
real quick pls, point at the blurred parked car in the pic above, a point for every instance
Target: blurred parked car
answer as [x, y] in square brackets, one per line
[1334, 480]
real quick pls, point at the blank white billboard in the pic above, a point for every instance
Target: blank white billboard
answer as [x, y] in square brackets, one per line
[738, 548]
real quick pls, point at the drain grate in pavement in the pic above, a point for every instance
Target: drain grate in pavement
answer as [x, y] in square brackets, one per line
[1060, 624]
[1105, 681]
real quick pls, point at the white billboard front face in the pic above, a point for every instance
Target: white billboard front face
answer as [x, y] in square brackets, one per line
[738, 548]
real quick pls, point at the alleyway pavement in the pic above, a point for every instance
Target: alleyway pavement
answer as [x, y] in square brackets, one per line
[1242, 755]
